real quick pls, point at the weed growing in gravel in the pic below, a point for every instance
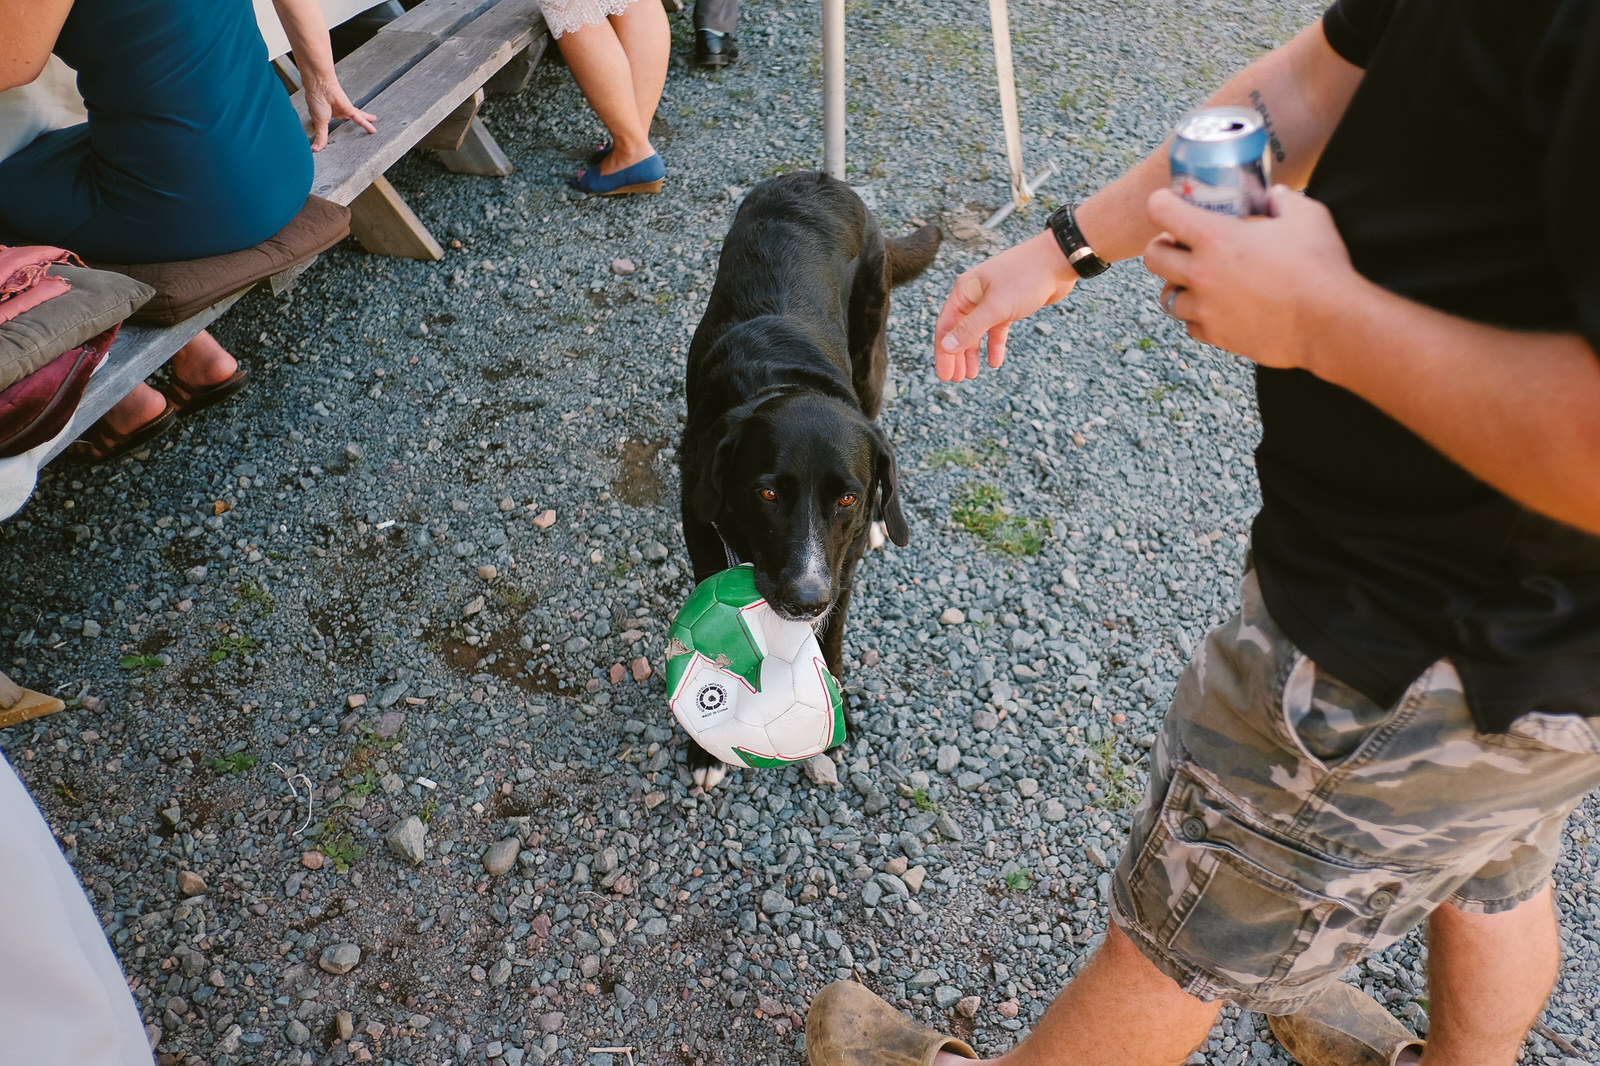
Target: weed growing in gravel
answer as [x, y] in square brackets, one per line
[1018, 881]
[237, 763]
[1120, 788]
[338, 846]
[429, 809]
[972, 458]
[143, 663]
[228, 644]
[977, 510]
[919, 799]
[255, 596]
[363, 785]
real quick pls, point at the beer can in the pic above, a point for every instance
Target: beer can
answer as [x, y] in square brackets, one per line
[1220, 161]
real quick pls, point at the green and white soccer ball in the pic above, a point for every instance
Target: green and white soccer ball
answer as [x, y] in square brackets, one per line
[750, 687]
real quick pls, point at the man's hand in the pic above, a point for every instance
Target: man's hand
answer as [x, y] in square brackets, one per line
[326, 101]
[1257, 287]
[988, 298]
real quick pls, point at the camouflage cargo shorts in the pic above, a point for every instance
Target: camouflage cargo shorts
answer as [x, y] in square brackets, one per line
[1292, 826]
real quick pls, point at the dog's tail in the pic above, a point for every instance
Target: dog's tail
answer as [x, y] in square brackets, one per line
[910, 255]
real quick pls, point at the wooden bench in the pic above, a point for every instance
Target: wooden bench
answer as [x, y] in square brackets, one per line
[424, 76]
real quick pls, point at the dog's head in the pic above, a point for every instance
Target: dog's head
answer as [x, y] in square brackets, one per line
[789, 478]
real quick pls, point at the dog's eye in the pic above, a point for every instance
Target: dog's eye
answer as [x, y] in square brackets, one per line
[768, 494]
[847, 500]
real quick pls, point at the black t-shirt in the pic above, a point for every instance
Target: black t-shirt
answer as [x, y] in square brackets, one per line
[1465, 175]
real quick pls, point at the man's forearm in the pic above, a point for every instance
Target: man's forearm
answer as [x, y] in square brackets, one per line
[1519, 411]
[1301, 91]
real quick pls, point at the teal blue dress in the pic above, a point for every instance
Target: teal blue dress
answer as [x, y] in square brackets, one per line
[192, 147]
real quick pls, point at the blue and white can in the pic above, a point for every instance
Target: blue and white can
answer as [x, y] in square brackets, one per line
[1221, 162]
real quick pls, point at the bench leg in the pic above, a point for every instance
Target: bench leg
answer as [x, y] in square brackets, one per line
[18, 704]
[384, 225]
[515, 75]
[448, 134]
[478, 154]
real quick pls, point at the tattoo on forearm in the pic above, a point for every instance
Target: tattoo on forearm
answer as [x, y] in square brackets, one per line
[1266, 123]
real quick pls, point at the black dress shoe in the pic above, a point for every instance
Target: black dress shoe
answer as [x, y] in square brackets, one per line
[714, 50]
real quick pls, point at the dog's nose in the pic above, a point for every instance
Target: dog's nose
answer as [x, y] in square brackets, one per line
[808, 594]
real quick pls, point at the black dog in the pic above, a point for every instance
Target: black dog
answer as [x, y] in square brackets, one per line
[783, 466]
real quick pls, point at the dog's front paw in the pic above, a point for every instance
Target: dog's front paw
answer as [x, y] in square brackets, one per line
[707, 778]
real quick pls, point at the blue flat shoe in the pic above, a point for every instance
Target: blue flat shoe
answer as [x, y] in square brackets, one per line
[646, 175]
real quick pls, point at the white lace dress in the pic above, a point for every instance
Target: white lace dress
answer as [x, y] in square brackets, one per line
[564, 16]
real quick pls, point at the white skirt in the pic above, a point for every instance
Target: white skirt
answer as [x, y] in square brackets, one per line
[565, 16]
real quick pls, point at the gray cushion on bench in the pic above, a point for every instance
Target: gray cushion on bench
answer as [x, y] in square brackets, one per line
[183, 289]
[98, 300]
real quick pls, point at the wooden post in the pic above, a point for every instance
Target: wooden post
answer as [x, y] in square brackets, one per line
[384, 225]
[447, 135]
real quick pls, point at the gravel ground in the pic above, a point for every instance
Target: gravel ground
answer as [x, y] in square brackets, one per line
[424, 568]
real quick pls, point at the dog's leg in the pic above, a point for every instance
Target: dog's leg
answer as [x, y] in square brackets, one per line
[708, 557]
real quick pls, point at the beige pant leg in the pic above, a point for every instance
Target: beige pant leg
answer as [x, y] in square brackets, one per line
[63, 999]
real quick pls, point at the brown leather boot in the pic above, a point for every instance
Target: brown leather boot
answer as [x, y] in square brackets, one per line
[1343, 1027]
[849, 1026]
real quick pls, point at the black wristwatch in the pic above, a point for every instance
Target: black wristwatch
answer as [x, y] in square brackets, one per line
[1073, 245]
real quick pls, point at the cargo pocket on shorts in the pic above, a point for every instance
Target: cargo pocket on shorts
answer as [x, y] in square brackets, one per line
[1251, 912]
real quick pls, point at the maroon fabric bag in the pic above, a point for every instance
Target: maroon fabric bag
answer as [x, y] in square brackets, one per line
[39, 406]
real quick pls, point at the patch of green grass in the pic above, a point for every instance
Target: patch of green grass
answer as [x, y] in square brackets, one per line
[228, 644]
[237, 763]
[919, 799]
[1161, 392]
[1147, 344]
[977, 509]
[510, 596]
[429, 809]
[1018, 881]
[143, 663]
[363, 785]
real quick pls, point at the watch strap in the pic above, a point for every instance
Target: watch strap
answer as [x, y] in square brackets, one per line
[1073, 244]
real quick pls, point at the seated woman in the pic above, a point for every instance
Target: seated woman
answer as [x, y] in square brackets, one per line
[617, 51]
[192, 149]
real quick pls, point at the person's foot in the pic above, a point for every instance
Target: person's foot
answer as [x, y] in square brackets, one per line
[713, 49]
[1345, 1027]
[136, 420]
[849, 1026]
[203, 373]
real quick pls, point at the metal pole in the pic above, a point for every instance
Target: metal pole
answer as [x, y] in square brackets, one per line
[833, 88]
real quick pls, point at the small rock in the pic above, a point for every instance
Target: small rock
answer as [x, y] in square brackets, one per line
[408, 840]
[1007, 1009]
[622, 266]
[775, 902]
[545, 519]
[949, 758]
[952, 616]
[616, 673]
[1027, 787]
[389, 724]
[488, 571]
[355, 699]
[640, 668]
[228, 1043]
[500, 972]
[473, 607]
[820, 770]
[191, 883]
[896, 865]
[296, 1032]
[985, 720]
[311, 860]
[870, 657]
[340, 958]
[871, 893]
[1097, 857]
[1055, 811]
[91, 628]
[949, 828]
[344, 1024]
[968, 1007]
[945, 997]
[914, 878]
[552, 1022]
[353, 452]
[501, 856]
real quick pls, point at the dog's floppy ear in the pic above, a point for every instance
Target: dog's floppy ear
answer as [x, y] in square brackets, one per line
[718, 445]
[883, 477]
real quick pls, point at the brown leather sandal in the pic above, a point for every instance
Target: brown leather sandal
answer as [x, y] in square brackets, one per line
[191, 398]
[849, 1026]
[102, 443]
[1343, 1027]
